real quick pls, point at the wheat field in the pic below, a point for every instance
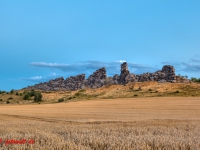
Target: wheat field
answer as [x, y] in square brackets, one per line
[105, 124]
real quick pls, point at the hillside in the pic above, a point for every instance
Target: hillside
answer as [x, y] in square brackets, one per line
[131, 90]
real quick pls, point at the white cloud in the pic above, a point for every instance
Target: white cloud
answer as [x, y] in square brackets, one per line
[121, 61]
[44, 64]
[88, 67]
[36, 78]
[53, 74]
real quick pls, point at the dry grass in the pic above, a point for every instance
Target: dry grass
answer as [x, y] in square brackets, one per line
[134, 123]
[132, 90]
[103, 135]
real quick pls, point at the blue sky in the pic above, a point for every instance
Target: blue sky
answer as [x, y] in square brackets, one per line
[43, 40]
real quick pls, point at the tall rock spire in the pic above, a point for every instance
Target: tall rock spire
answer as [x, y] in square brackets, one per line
[124, 73]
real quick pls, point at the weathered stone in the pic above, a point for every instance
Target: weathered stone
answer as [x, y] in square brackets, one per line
[131, 78]
[169, 71]
[75, 82]
[97, 79]
[124, 73]
[116, 78]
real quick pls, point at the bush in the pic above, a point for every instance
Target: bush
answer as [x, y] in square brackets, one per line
[17, 93]
[7, 102]
[37, 97]
[60, 100]
[26, 96]
[70, 98]
[195, 79]
[135, 95]
[12, 91]
[10, 98]
[150, 89]
[1, 92]
[1, 100]
[77, 94]
[176, 91]
[32, 93]
[20, 94]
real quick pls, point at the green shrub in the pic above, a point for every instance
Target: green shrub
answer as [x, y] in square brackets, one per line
[10, 98]
[60, 100]
[135, 95]
[12, 91]
[20, 94]
[1, 100]
[7, 102]
[17, 93]
[1, 92]
[77, 94]
[70, 98]
[176, 91]
[195, 79]
[32, 93]
[37, 97]
[26, 96]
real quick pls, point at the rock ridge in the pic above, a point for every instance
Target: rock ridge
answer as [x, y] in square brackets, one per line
[99, 79]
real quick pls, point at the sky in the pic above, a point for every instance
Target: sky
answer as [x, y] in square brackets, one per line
[43, 40]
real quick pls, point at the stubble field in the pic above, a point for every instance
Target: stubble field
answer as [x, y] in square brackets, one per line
[129, 123]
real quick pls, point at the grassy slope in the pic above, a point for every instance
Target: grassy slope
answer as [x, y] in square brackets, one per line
[139, 89]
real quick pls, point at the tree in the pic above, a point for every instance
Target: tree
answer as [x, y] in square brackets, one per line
[37, 97]
[12, 91]
[26, 96]
[195, 79]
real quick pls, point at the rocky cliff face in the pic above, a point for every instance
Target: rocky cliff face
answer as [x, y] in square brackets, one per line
[99, 79]
[75, 83]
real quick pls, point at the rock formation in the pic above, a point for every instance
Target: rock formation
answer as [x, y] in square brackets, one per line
[99, 79]
[124, 73]
[75, 83]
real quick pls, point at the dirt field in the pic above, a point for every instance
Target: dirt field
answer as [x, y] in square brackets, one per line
[131, 123]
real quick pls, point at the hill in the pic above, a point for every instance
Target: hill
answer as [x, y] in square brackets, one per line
[130, 90]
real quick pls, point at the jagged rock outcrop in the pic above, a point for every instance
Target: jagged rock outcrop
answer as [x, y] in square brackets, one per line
[52, 85]
[169, 71]
[75, 82]
[167, 74]
[99, 79]
[124, 73]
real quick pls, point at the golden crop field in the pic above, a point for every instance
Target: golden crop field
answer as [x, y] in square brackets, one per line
[104, 124]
